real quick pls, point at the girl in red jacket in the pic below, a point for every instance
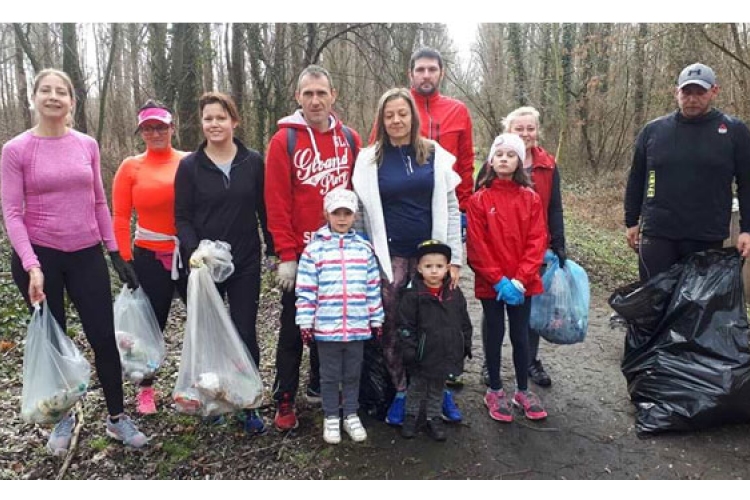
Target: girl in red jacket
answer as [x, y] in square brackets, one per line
[506, 241]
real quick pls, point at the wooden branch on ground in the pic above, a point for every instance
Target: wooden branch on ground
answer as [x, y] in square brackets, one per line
[73, 442]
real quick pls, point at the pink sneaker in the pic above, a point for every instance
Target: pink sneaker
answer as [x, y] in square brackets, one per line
[498, 405]
[531, 405]
[146, 403]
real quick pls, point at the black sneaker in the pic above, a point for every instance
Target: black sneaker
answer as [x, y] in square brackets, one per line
[436, 429]
[409, 429]
[538, 375]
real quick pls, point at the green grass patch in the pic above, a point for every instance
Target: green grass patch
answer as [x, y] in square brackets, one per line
[603, 253]
[99, 443]
[177, 448]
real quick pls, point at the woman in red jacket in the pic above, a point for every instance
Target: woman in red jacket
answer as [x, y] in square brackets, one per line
[506, 241]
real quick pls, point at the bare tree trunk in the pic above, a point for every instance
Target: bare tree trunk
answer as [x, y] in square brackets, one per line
[157, 47]
[134, 40]
[105, 83]
[639, 91]
[23, 91]
[312, 41]
[260, 80]
[568, 36]
[237, 67]
[741, 75]
[207, 57]
[23, 40]
[186, 82]
[582, 102]
[516, 49]
[72, 66]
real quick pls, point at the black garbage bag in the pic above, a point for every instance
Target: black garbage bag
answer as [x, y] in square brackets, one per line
[376, 391]
[686, 359]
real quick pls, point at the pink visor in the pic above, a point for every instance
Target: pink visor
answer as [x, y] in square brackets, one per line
[157, 114]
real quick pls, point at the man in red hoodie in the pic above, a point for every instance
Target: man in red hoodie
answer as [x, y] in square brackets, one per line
[311, 154]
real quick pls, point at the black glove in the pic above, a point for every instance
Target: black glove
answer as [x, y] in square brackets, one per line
[124, 270]
[561, 255]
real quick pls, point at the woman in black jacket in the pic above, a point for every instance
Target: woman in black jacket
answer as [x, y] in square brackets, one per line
[219, 196]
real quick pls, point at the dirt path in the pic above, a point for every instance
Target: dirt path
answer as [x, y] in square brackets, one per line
[589, 434]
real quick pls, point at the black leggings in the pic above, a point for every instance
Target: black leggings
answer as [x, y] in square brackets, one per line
[84, 275]
[289, 353]
[656, 255]
[242, 290]
[518, 319]
[159, 286]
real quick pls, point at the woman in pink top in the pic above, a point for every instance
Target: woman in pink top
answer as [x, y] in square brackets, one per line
[56, 217]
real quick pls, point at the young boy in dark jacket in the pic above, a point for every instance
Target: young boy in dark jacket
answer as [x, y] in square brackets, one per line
[435, 334]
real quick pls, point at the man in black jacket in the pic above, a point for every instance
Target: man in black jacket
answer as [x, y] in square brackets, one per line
[679, 194]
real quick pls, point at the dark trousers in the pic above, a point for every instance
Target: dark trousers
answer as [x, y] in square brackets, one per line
[85, 277]
[289, 353]
[428, 391]
[242, 290]
[158, 284]
[518, 320]
[340, 371]
[656, 255]
[159, 287]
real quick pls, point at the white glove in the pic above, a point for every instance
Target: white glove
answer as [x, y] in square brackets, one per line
[287, 275]
[518, 285]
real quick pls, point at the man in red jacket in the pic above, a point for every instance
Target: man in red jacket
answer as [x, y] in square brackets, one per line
[447, 121]
[311, 154]
[444, 119]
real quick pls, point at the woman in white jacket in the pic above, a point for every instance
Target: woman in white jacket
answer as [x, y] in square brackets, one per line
[406, 186]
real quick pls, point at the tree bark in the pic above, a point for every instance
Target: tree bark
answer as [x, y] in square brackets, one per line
[72, 66]
[107, 77]
[23, 91]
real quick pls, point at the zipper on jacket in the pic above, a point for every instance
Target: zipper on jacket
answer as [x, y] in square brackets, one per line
[343, 278]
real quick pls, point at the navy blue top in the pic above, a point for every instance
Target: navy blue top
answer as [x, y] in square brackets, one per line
[406, 194]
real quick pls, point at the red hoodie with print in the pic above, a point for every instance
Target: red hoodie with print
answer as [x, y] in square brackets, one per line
[296, 185]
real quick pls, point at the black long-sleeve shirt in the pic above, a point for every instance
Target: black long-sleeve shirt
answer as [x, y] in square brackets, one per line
[210, 206]
[680, 183]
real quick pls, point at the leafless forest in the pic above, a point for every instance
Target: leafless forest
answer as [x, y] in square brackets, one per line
[595, 84]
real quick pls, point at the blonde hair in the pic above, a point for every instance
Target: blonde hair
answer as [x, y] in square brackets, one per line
[519, 112]
[422, 147]
[68, 83]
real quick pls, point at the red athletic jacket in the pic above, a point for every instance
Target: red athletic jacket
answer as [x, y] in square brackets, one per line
[447, 121]
[295, 187]
[506, 236]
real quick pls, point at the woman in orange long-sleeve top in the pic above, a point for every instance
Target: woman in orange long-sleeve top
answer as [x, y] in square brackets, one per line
[144, 184]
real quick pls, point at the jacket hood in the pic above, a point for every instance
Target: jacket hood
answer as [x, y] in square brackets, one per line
[711, 115]
[297, 120]
[542, 158]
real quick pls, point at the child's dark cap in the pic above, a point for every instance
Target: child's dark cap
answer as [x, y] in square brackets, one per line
[433, 246]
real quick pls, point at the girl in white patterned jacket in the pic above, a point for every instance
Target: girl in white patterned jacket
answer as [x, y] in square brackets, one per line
[339, 306]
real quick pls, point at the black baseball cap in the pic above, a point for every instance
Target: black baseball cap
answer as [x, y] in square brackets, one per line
[433, 246]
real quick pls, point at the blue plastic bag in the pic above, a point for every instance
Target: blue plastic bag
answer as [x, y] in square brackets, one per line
[561, 314]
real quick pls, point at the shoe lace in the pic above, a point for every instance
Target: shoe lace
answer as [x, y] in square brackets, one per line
[285, 407]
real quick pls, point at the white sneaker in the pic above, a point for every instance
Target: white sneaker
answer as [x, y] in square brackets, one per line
[353, 426]
[332, 430]
[59, 440]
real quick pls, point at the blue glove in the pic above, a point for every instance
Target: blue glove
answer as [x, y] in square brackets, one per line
[511, 294]
[499, 287]
[464, 224]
